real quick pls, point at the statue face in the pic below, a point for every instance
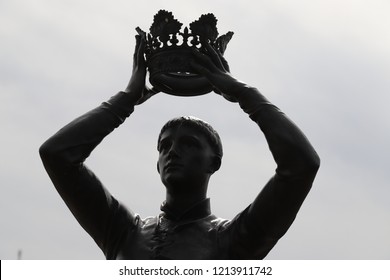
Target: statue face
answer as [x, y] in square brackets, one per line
[185, 157]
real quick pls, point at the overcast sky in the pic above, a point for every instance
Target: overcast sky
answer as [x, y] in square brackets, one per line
[326, 64]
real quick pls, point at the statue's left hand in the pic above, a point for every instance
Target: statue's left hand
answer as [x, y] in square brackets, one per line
[216, 69]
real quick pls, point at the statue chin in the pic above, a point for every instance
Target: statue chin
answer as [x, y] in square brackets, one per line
[181, 83]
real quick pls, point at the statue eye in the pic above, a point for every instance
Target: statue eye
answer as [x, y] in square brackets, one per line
[164, 145]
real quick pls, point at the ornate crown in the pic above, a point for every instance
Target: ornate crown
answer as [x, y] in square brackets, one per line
[168, 52]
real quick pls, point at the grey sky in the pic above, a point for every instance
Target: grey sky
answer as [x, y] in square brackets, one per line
[326, 64]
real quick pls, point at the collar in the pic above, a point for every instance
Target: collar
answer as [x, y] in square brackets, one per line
[198, 211]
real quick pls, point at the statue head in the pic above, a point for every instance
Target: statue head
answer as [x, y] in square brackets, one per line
[190, 151]
[199, 125]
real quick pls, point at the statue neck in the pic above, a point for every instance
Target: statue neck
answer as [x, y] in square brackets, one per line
[181, 202]
[188, 212]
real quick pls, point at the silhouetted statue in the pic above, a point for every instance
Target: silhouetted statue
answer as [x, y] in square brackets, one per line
[190, 151]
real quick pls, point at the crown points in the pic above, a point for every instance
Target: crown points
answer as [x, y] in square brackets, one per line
[205, 27]
[164, 24]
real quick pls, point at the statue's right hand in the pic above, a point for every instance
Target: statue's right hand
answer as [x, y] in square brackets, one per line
[136, 84]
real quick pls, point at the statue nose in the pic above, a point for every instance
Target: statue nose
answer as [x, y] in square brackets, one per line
[173, 151]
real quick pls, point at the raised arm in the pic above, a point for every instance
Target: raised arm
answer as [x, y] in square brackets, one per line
[63, 154]
[275, 208]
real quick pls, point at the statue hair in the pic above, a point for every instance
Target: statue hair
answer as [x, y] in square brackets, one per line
[205, 128]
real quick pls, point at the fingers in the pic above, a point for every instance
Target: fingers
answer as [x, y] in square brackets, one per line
[217, 56]
[137, 43]
[203, 58]
[210, 62]
[224, 62]
[201, 62]
[137, 80]
[139, 51]
[214, 55]
[140, 32]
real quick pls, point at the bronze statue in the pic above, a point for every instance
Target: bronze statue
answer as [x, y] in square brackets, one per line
[190, 151]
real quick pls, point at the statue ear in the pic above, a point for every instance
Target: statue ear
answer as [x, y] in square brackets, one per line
[215, 164]
[158, 168]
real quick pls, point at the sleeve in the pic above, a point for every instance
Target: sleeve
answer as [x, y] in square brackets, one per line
[241, 243]
[63, 156]
[273, 211]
